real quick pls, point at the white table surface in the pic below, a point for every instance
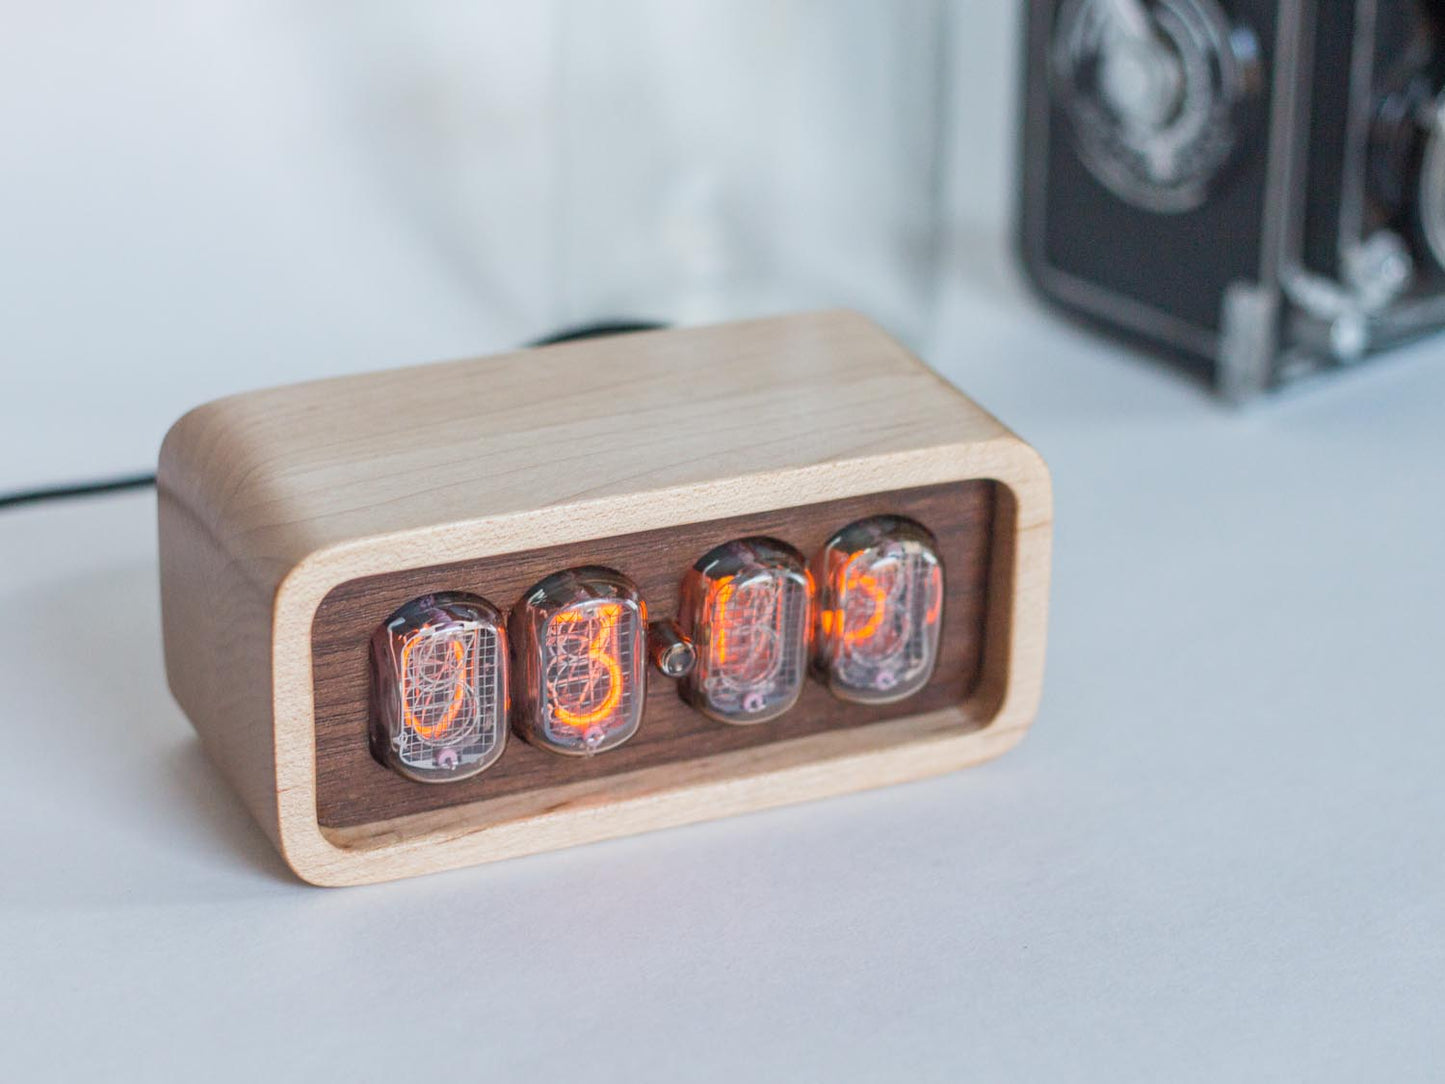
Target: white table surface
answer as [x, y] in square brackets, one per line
[1219, 855]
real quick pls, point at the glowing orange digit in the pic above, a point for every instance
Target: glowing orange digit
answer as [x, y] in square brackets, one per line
[725, 589]
[410, 690]
[599, 652]
[879, 598]
[746, 619]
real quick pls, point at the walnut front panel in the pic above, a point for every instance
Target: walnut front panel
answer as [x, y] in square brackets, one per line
[352, 788]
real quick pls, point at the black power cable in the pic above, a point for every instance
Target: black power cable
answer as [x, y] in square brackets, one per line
[102, 486]
[599, 330]
[76, 489]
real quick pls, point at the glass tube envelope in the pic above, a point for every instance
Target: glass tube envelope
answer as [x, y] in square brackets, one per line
[747, 607]
[439, 688]
[880, 609]
[580, 654]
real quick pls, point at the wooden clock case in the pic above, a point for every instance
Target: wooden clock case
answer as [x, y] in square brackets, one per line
[294, 521]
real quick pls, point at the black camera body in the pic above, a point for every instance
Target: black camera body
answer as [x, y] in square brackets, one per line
[1255, 188]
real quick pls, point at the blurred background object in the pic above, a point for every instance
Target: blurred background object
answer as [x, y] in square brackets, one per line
[1256, 187]
[726, 159]
[679, 162]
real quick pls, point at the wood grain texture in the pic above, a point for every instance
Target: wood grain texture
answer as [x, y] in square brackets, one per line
[272, 500]
[352, 788]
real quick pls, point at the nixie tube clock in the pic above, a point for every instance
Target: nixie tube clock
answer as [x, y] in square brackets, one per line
[579, 653]
[881, 609]
[439, 688]
[450, 614]
[747, 608]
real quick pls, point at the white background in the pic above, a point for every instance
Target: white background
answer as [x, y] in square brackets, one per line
[1220, 855]
[200, 198]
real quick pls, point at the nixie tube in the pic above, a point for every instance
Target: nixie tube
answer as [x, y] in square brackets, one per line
[580, 657]
[747, 607]
[880, 604]
[439, 688]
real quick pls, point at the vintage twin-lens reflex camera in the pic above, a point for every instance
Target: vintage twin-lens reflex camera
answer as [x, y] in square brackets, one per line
[1254, 187]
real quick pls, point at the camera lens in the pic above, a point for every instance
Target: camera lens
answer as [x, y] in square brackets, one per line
[1153, 93]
